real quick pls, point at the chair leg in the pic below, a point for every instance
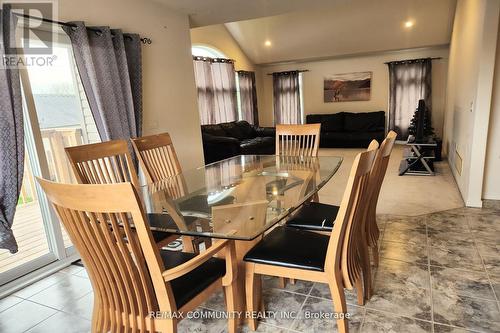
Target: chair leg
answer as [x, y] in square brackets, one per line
[367, 272]
[166, 325]
[282, 282]
[339, 304]
[230, 292]
[375, 255]
[252, 297]
[358, 284]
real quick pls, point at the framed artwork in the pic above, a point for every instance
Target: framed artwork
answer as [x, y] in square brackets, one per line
[348, 87]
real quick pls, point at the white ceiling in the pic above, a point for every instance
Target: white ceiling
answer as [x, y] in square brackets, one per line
[208, 12]
[342, 28]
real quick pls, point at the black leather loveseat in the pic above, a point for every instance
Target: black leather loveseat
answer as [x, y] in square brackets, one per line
[225, 140]
[349, 130]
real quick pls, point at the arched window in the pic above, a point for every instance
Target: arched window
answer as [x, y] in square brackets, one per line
[206, 51]
[226, 87]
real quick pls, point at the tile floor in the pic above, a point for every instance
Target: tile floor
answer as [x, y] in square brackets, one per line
[438, 273]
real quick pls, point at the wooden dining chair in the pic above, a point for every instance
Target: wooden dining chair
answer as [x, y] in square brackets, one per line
[297, 140]
[317, 216]
[131, 278]
[377, 176]
[332, 259]
[157, 156]
[108, 162]
[158, 161]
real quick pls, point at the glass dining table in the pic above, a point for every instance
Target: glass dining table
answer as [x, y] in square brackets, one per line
[239, 198]
[236, 199]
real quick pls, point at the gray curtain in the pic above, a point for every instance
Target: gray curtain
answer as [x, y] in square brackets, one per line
[11, 133]
[409, 81]
[109, 64]
[216, 84]
[286, 94]
[248, 97]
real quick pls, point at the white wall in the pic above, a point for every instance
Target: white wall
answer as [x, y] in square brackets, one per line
[313, 83]
[169, 95]
[470, 79]
[218, 36]
[491, 189]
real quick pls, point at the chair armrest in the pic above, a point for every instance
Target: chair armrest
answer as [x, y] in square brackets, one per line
[188, 266]
[265, 131]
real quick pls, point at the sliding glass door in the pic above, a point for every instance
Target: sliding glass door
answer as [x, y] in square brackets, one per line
[57, 115]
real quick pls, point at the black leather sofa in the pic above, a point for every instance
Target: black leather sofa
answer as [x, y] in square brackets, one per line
[225, 140]
[349, 130]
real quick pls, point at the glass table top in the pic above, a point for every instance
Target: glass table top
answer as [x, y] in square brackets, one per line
[237, 198]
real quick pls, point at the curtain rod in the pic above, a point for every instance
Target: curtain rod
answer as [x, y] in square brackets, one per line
[209, 59]
[300, 71]
[144, 40]
[411, 60]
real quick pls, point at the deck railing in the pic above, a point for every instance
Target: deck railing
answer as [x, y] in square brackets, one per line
[54, 141]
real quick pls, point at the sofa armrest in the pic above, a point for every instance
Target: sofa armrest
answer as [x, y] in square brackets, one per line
[216, 148]
[265, 131]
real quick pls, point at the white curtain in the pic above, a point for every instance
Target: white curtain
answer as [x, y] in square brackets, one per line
[216, 83]
[409, 82]
[286, 92]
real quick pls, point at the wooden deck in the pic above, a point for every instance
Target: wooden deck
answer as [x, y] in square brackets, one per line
[30, 234]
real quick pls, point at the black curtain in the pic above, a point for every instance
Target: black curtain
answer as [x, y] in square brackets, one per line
[286, 94]
[409, 81]
[248, 97]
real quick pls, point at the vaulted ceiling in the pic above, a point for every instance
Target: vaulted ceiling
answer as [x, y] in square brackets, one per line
[314, 29]
[208, 12]
[355, 27]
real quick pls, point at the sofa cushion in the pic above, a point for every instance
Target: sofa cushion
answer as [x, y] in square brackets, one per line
[233, 130]
[246, 130]
[215, 130]
[364, 121]
[329, 122]
[258, 145]
[349, 139]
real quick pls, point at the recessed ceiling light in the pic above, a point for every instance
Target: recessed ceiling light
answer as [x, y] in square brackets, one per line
[267, 43]
[409, 24]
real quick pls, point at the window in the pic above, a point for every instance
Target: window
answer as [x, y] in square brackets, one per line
[216, 84]
[206, 51]
[57, 115]
[288, 97]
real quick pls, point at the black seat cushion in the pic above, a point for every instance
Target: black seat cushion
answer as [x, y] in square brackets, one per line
[289, 247]
[314, 216]
[159, 236]
[186, 287]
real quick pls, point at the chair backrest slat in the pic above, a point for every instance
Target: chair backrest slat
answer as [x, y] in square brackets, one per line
[342, 255]
[377, 175]
[107, 225]
[103, 163]
[157, 156]
[297, 140]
